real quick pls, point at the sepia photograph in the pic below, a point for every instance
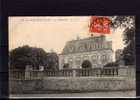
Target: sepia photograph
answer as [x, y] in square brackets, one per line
[72, 56]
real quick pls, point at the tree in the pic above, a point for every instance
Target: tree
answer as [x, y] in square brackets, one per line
[111, 64]
[19, 57]
[128, 24]
[52, 61]
[25, 55]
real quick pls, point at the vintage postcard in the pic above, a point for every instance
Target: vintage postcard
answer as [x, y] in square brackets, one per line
[72, 56]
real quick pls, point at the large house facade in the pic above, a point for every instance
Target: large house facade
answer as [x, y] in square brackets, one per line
[92, 52]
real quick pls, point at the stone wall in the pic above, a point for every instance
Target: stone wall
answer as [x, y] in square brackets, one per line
[125, 81]
[72, 84]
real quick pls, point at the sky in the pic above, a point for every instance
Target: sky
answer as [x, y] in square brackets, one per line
[51, 33]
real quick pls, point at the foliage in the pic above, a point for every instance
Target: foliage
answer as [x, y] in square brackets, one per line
[111, 64]
[52, 61]
[128, 24]
[25, 55]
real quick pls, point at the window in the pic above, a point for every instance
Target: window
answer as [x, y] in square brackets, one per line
[95, 46]
[104, 58]
[62, 61]
[66, 65]
[77, 61]
[99, 46]
[70, 62]
[94, 58]
[85, 57]
[94, 66]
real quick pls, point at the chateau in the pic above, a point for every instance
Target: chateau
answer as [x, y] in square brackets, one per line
[93, 51]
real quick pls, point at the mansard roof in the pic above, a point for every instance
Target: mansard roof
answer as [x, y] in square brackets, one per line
[87, 45]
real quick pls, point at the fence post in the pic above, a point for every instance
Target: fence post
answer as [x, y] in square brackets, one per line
[74, 73]
[28, 70]
[40, 72]
[123, 71]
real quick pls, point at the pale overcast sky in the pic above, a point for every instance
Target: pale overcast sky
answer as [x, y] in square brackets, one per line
[53, 32]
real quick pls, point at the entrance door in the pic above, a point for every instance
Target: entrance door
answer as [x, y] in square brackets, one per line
[86, 64]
